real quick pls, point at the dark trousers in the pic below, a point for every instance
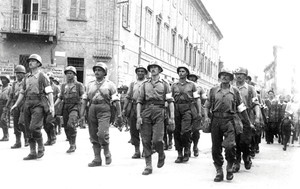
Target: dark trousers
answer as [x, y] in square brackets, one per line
[152, 129]
[99, 118]
[70, 119]
[183, 126]
[271, 130]
[50, 127]
[223, 136]
[286, 134]
[242, 147]
[134, 133]
[19, 128]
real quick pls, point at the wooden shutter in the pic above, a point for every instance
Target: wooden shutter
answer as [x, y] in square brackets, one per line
[73, 9]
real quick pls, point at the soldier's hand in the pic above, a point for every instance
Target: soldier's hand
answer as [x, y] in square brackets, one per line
[171, 124]
[119, 122]
[257, 120]
[81, 122]
[12, 108]
[252, 126]
[139, 122]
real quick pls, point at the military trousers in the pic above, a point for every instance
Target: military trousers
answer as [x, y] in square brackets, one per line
[183, 126]
[18, 127]
[70, 119]
[223, 136]
[152, 129]
[99, 122]
[134, 133]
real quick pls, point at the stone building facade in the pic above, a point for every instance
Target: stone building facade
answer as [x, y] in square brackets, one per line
[123, 34]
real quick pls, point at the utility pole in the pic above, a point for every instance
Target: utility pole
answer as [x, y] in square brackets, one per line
[140, 34]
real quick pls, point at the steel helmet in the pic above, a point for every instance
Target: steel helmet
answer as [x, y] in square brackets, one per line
[101, 65]
[193, 74]
[241, 70]
[36, 57]
[5, 77]
[141, 67]
[20, 69]
[56, 79]
[184, 67]
[50, 75]
[70, 68]
[225, 70]
[154, 63]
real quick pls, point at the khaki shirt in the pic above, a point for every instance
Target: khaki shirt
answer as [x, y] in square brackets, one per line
[14, 93]
[224, 102]
[32, 85]
[71, 91]
[108, 89]
[4, 93]
[186, 91]
[155, 92]
[133, 92]
[244, 90]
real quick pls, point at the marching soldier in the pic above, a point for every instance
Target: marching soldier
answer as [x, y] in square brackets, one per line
[71, 94]
[224, 101]
[19, 126]
[153, 94]
[197, 122]
[51, 122]
[250, 99]
[4, 95]
[101, 94]
[186, 102]
[129, 109]
[38, 96]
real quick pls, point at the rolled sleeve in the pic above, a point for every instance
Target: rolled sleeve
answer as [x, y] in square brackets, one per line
[141, 96]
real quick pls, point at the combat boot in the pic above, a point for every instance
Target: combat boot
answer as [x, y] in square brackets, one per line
[18, 142]
[248, 163]
[161, 160]
[72, 145]
[229, 175]
[48, 143]
[236, 167]
[220, 176]
[180, 157]
[41, 148]
[107, 154]
[5, 135]
[26, 142]
[137, 153]
[196, 151]
[97, 160]
[187, 154]
[32, 154]
[148, 169]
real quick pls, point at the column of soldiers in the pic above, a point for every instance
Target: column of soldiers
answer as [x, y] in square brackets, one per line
[233, 112]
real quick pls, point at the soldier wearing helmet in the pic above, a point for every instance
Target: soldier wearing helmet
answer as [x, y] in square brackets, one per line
[71, 93]
[154, 93]
[37, 91]
[4, 96]
[224, 102]
[52, 122]
[101, 94]
[129, 109]
[196, 126]
[187, 103]
[18, 114]
[245, 139]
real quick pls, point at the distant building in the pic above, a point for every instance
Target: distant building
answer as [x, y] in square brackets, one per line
[123, 34]
[282, 74]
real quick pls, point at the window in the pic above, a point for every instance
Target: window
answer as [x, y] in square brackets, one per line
[78, 63]
[174, 31]
[35, 11]
[186, 42]
[125, 15]
[166, 38]
[148, 22]
[180, 47]
[191, 54]
[138, 20]
[77, 10]
[158, 29]
[23, 61]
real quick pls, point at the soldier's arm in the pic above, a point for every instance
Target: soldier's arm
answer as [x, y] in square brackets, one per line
[242, 109]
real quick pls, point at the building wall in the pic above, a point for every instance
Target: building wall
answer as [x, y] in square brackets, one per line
[183, 21]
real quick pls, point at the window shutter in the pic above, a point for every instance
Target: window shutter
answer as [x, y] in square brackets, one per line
[44, 6]
[82, 9]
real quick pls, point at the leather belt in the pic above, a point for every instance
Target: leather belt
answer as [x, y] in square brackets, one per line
[33, 97]
[223, 114]
[98, 102]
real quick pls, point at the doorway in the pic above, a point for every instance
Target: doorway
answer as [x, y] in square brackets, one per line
[78, 63]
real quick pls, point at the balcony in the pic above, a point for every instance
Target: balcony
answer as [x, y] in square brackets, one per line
[33, 24]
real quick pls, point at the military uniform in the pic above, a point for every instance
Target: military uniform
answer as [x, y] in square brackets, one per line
[71, 94]
[4, 122]
[100, 95]
[184, 95]
[50, 121]
[243, 140]
[152, 97]
[132, 95]
[35, 109]
[273, 118]
[18, 121]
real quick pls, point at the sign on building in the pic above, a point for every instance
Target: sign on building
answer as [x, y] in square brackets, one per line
[7, 69]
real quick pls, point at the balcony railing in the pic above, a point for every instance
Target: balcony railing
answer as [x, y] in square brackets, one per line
[38, 24]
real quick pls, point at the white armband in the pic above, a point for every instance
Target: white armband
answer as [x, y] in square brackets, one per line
[168, 95]
[115, 97]
[204, 96]
[48, 90]
[84, 96]
[241, 107]
[196, 94]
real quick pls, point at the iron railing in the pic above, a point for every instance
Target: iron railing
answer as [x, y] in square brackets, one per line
[38, 24]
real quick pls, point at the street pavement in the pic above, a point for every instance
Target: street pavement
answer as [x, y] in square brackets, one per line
[272, 167]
